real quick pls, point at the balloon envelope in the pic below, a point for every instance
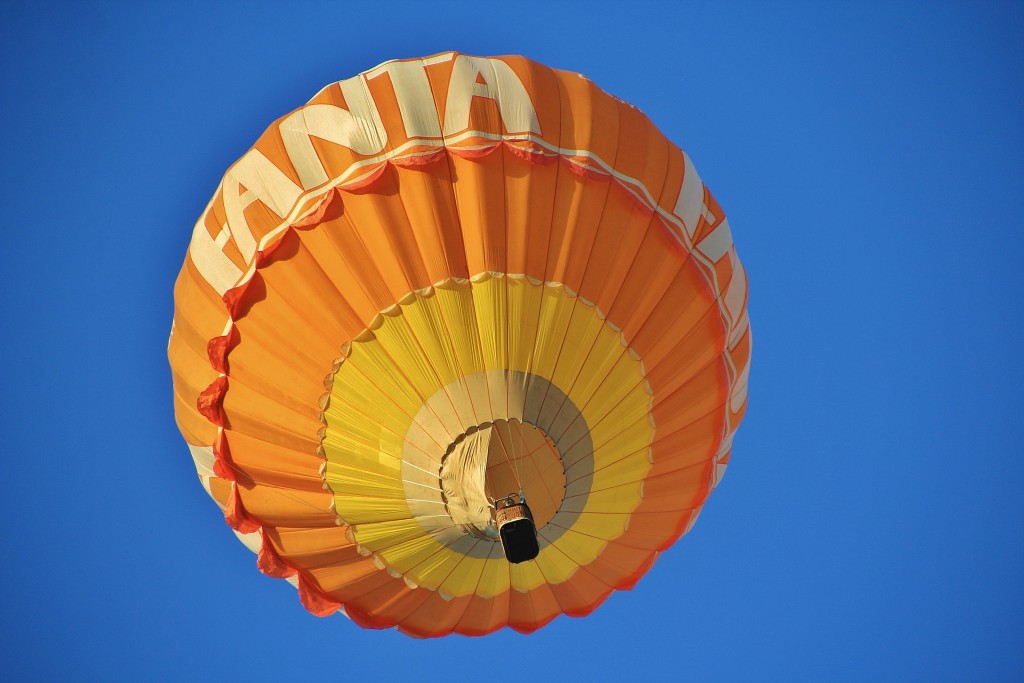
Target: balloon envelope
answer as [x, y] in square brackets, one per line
[440, 282]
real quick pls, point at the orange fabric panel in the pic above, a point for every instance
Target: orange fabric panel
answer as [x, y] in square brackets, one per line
[484, 615]
[690, 394]
[680, 444]
[199, 317]
[287, 507]
[387, 604]
[273, 465]
[434, 616]
[528, 612]
[581, 594]
[220, 490]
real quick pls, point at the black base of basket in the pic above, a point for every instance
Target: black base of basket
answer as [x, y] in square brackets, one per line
[519, 540]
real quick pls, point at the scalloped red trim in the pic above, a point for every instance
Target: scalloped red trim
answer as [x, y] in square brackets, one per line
[210, 402]
[270, 562]
[315, 600]
[223, 467]
[217, 349]
[239, 299]
[419, 160]
[238, 518]
[314, 219]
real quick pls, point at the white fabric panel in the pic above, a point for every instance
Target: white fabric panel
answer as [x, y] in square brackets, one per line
[501, 85]
[739, 391]
[736, 294]
[251, 541]
[202, 456]
[716, 244]
[690, 204]
[359, 128]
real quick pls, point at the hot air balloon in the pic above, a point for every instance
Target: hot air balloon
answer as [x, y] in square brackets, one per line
[443, 289]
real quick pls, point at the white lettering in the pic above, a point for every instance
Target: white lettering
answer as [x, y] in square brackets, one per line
[415, 101]
[500, 84]
[690, 204]
[360, 129]
[211, 261]
[262, 181]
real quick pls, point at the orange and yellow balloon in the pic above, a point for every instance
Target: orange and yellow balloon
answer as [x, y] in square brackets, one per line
[437, 283]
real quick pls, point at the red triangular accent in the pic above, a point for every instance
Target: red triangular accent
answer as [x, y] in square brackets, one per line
[222, 465]
[270, 562]
[314, 600]
[210, 401]
[238, 518]
[217, 349]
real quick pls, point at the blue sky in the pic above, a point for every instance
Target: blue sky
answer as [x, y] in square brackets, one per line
[871, 524]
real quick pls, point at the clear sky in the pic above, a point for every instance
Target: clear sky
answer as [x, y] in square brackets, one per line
[869, 156]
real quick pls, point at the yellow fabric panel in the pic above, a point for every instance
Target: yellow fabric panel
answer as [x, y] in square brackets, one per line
[414, 557]
[622, 468]
[458, 311]
[433, 335]
[371, 508]
[552, 327]
[362, 477]
[395, 351]
[583, 548]
[465, 576]
[617, 424]
[580, 341]
[496, 577]
[400, 343]
[491, 320]
[371, 380]
[354, 435]
[362, 447]
[615, 438]
[390, 534]
[527, 576]
[524, 305]
[622, 400]
[555, 567]
[432, 566]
